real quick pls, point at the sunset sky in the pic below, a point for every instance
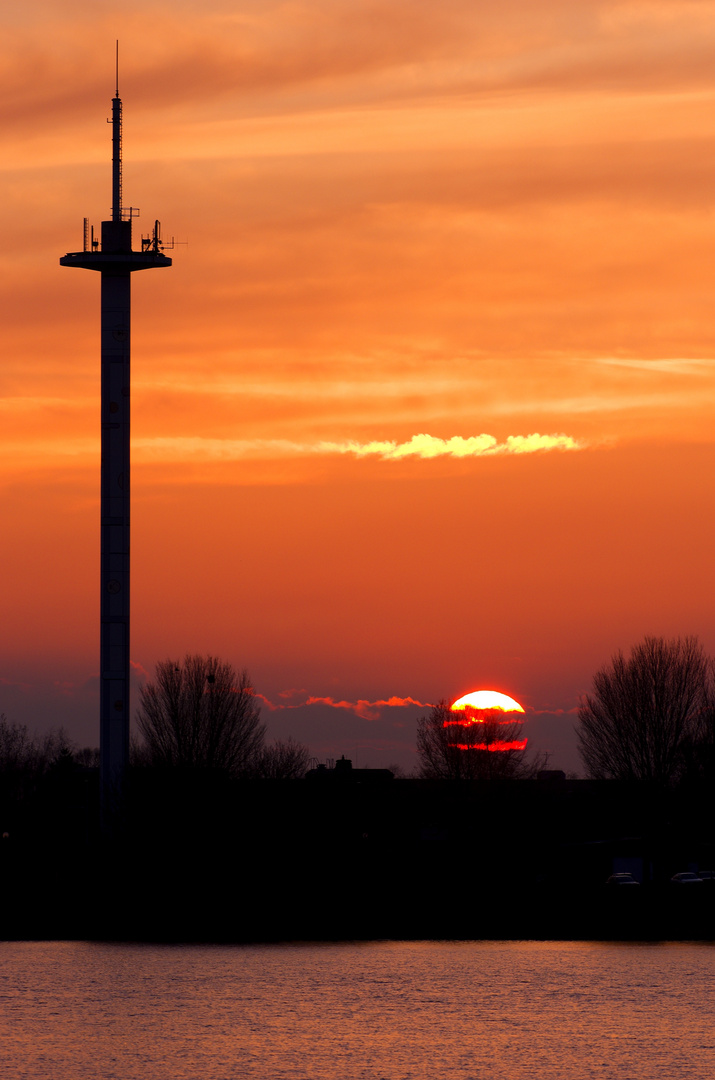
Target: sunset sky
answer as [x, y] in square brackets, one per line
[424, 404]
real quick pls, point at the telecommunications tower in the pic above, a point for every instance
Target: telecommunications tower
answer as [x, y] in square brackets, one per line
[113, 257]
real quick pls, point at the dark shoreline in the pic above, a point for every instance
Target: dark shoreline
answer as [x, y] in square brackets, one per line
[202, 859]
[124, 907]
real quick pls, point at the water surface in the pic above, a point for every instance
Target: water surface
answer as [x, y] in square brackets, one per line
[374, 1011]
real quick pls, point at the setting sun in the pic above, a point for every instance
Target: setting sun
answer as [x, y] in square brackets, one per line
[493, 712]
[487, 699]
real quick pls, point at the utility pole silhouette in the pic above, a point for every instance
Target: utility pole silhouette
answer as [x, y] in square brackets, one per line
[115, 260]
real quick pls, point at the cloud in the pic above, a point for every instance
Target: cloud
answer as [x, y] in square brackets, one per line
[243, 56]
[366, 710]
[10, 684]
[41, 452]
[428, 446]
[293, 692]
[553, 712]
[419, 446]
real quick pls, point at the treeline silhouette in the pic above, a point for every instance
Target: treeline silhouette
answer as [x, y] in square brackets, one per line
[208, 849]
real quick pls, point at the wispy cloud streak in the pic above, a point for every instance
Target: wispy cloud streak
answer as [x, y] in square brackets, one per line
[367, 710]
[428, 446]
[180, 450]
[419, 446]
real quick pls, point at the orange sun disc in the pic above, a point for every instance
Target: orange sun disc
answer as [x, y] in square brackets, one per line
[487, 699]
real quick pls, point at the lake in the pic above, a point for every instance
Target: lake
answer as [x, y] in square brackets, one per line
[357, 1011]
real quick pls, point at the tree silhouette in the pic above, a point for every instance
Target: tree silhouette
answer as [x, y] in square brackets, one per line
[645, 710]
[474, 744]
[700, 747]
[283, 759]
[201, 713]
[26, 757]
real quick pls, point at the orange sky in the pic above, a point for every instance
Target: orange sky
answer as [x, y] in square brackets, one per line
[403, 219]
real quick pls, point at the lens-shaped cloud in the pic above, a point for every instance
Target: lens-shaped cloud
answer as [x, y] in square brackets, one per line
[419, 446]
[429, 446]
[367, 710]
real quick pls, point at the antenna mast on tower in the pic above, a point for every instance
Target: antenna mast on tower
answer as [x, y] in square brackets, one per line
[117, 149]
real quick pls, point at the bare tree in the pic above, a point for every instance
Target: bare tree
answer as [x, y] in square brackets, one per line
[19, 750]
[26, 753]
[87, 757]
[644, 711]
[201, 713]
[476, 744]
[284, 759]
[27, 759]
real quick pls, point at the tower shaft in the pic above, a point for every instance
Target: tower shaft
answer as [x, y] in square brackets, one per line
[116, 261]
[114, 528]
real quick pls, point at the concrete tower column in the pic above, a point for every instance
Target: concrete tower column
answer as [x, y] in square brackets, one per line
[114, 528]
[116, 261]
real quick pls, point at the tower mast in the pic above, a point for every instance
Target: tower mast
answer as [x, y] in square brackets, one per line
[116, 261]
